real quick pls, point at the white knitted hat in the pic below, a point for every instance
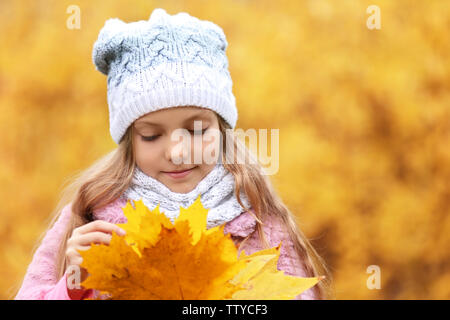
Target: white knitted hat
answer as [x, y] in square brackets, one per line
[164, 62]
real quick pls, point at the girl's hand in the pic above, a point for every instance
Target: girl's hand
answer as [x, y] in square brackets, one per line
[98, 232]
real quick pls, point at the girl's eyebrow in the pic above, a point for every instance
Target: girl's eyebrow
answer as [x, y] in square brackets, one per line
[189, 119]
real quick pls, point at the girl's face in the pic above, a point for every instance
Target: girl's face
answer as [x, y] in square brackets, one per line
[158, 153]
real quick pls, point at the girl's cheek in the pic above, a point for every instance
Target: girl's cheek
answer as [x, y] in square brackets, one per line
[212, 136]
[210, 149]
[148, 152]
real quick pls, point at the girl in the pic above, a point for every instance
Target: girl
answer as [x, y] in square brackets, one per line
[165, 76]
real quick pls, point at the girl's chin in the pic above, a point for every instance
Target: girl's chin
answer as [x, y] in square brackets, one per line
[181, 188]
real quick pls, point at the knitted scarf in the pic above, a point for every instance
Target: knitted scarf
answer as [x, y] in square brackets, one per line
[216, 192]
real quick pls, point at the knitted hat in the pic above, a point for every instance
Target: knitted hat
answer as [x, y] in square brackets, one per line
[164, 62]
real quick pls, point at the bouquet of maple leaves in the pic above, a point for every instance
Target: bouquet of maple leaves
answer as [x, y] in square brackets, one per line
[183, 261]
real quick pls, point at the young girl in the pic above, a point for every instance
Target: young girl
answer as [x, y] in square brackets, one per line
[163, 75]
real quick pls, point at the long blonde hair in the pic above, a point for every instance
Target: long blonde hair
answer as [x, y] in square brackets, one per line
[110, 176]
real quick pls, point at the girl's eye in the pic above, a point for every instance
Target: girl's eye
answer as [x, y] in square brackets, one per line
[198, 132]
[151, 138]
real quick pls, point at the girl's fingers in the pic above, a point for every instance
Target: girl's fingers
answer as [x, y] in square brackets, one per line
[74, 255]
[77, 261]
[93, 237]
[100, 225]
[83, 248]
[98, 232]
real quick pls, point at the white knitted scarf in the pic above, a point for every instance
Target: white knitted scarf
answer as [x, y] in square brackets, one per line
[216, 192]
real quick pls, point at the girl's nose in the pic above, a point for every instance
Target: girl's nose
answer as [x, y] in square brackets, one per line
[178, 150]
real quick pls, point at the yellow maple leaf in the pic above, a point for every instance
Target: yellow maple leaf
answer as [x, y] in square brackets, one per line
[160, 260]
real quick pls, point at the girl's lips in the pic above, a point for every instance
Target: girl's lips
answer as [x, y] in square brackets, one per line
[179, 174]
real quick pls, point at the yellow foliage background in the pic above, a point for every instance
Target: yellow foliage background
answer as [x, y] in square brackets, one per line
[364, 119]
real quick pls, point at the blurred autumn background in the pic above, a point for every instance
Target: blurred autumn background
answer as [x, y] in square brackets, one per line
[364, 119]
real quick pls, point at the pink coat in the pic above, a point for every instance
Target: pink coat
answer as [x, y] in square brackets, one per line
[41, 283]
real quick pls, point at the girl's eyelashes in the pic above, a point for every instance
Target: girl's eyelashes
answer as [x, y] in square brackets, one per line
[198, 132]
[152, 138]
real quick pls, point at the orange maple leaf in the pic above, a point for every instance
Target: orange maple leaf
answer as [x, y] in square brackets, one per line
[160, 260]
